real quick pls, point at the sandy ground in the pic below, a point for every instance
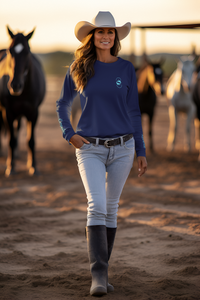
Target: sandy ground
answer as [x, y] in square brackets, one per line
[43, 251]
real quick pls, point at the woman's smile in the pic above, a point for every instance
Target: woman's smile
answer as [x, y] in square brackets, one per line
[104, 38]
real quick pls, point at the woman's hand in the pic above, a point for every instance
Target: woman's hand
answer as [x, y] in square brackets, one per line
[142, 165]
[77, 141]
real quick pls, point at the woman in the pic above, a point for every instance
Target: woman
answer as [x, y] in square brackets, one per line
[108, 133]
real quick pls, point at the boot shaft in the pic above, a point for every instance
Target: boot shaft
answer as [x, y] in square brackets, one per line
[111, 232]
[98, 258]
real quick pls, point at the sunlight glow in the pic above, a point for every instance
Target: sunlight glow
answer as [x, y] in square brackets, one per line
[55, 22]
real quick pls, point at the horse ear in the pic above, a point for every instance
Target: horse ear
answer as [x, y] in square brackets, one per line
[30, 35]
[10, 32]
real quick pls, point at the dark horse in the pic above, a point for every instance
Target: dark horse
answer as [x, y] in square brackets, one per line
[150, 84]
[22, 89]
[196, 99]
[2, 123]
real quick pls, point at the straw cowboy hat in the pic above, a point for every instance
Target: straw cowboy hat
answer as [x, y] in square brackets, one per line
[103, 19]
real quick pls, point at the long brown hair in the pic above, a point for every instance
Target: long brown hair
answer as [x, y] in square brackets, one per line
[83, 67]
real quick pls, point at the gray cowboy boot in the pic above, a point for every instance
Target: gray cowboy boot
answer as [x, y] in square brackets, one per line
[110, 240]
[98, 258]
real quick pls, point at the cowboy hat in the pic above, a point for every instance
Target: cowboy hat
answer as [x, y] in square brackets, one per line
[103, 19]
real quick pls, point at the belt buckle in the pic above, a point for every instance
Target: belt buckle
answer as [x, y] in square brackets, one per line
[106, 144]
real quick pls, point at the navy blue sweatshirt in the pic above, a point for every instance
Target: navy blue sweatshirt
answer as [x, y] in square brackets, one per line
[109, 104]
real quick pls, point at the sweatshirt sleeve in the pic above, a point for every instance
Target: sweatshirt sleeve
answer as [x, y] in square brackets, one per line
[135, 114]
[64, 106]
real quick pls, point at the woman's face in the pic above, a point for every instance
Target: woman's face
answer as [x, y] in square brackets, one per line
[104, 38]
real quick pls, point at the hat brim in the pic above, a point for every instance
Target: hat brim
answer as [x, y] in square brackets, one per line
[83, 28]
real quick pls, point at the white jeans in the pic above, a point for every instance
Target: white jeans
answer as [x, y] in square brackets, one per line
[104, 172]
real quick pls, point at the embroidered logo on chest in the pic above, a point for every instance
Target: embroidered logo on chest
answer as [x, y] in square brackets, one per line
[118, 82]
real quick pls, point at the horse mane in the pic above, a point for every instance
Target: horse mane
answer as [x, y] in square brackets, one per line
[146, 78]
[174, 83]
[5, 65]
[2, 54]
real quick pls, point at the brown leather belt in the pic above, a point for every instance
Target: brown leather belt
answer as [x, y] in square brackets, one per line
[110, 142]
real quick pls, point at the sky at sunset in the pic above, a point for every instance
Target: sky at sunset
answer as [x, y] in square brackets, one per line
[55, 22]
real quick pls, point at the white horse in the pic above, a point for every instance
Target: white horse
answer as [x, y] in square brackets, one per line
[178, 92]
[196, 99]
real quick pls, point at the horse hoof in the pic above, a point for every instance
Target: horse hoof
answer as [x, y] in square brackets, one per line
[170, 148]
[9, 172]
[32, 171]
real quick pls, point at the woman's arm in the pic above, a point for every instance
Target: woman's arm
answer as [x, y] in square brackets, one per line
[142, 165]
[64, 105]
[135, 114]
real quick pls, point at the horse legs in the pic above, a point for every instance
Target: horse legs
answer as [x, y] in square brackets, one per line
[16, 128]
[190, 117]
[197, 135]
[1, 127]
[172, 128]
[31, 164]
[150, 133]
[11, 147]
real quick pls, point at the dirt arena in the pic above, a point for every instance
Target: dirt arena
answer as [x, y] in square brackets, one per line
[43, 251]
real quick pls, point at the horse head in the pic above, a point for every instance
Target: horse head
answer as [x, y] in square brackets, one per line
[181, 78]
[158, 73]
[188, 68]
[18, 61]
[150, 75]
